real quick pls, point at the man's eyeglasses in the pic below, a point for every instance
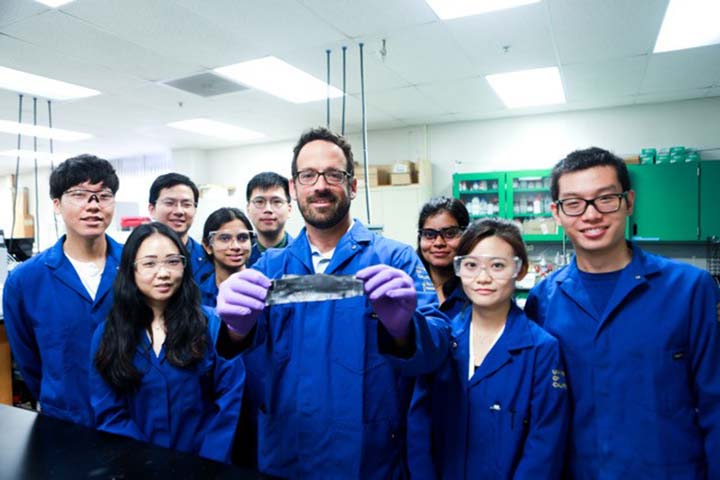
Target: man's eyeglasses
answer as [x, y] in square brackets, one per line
[80, 197]
[225, 239]
[499, 268]
[332, 177]
[149, 266]
[575, 206]
[170, 203]
[448, 233]
[275, 203]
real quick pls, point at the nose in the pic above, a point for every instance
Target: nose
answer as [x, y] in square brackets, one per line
[439, 240]
[163, 271]
[483, 276]
[591, 212]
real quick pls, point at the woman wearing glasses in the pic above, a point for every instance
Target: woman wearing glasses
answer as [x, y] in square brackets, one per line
[227, 240]
[441, 223]
[498, 405]
[155, 375]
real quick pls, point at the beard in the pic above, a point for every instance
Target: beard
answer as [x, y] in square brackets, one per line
[328, 216]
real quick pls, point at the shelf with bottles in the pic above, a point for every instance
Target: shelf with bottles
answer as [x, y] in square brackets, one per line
[529, 204]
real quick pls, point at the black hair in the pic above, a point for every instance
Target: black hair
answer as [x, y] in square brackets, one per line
[130, 317]
[588, 158]
[437, 205]
[83, 168]
[498, 227]
[266, 180]
[322, 133]
[220, 217]
[169, 180]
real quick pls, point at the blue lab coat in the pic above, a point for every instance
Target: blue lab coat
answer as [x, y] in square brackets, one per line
[50, 319]
[335, 395]
[208, 291]
[643, 376]
[256, 251]
[201, 265]
[192, 409]
[509, 420]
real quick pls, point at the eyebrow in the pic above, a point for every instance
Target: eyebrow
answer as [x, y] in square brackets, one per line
[599, 191]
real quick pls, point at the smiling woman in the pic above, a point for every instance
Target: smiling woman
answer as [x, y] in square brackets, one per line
[157, 339]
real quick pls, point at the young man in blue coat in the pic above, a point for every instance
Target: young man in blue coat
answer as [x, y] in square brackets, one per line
[639, 333]
[53, 302]
[334, 392]
[268, 199]
[173, 201]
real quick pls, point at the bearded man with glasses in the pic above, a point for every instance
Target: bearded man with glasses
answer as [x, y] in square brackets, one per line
[639, 334]
[53, 302]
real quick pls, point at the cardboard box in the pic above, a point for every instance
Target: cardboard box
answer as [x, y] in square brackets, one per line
[377, 175]
[632, 159]
[405, 166]
[403, 178]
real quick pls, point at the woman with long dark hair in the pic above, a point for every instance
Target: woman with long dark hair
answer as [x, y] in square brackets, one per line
[227, 240]
[440, 225]
[155, 375]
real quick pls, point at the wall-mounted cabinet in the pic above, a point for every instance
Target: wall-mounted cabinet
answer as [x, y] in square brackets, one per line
[667, 200]
[521, 196]
[709, 200]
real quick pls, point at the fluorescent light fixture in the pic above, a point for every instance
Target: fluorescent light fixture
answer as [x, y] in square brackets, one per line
[42, 86]
[528, 88]
[42, 132]
[212, 128]
[689, 24]
[449, 9]
[280, 79]
[54, 3]
[31, 154]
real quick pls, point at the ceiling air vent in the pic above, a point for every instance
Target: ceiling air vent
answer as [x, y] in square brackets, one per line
[206, 85]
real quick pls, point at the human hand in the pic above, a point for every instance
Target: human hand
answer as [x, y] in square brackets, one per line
[241, 299]
[392, 295]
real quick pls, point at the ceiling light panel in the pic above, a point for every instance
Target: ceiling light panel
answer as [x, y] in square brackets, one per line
[42, 132]
[36, 85]
[689, 24]
[212, 128]
[54, 3]
[278, 78]
[528, 88]
[449, 9]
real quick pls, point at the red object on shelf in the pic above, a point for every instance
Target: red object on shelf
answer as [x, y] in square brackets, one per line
[132, 222]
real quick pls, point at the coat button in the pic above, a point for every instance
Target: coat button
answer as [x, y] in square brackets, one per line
[454, 345]
[354, 247]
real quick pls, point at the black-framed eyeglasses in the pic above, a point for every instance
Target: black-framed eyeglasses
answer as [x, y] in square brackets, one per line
[332, 176]
[275, 203]
[607, 203]
[448, 233]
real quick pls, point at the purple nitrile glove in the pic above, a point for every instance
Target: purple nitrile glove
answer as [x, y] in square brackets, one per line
[392, 295]
[241, 299]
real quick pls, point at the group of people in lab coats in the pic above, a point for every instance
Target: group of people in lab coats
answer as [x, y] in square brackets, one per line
[609, 372]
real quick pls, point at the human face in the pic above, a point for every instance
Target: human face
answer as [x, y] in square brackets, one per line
[323, 205]
[439, 253]
[594, 233]
[160, 285]
[88, 219]
[270, 218]
[175, 207]
[485, 291]
[230, 255]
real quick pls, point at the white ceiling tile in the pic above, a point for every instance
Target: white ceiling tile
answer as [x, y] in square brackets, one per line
[591, 30]
[13, 10]
[524, 30]
[371, 17]
[684, 69]
[603, 79]
[406, 102]
[671, 96]
[166, 28]
[471, 96]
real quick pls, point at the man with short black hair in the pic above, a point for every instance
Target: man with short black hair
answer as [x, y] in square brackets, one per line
[173, 201]
[639, 333]
[268, 206]
[53, 302]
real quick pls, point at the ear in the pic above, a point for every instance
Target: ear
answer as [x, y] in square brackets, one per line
[521, 274]
[207, 248]
[630, 201]
[293, 192]
[151, 210]
[555, 209]
[56, 206]
[353, 188]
